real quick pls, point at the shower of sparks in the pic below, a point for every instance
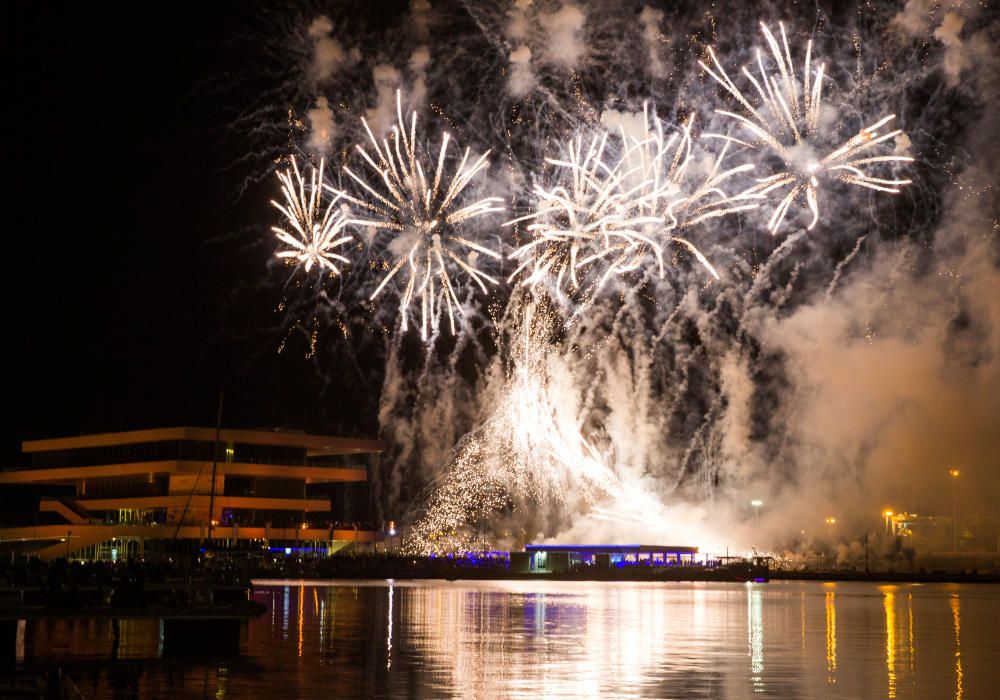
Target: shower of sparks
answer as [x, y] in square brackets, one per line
[529, 452]
[786, 120]
[420, 205]
[315, 236]
[618, 212]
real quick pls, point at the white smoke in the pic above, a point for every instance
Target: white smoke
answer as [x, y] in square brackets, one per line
[387, 81]
[518, 25]
[321, 127]
[948, 20]
[632, 124]
[328, 53]
[522, 78]
[419, 60]
[650, 20]
[955, 58]
[565, 45]
[420, 20]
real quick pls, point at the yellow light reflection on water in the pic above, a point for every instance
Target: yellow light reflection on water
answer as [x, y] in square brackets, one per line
[831, 637]
[909, 626]
[956, 615]
[302, 604]
[802, 620]
[890, 638]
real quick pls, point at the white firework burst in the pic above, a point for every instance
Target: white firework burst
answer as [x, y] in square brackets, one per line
[614, 213]
[421, 207]
[315, 232]
[786, 120]
[669, 192]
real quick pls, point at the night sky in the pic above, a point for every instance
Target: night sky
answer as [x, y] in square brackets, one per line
[134, 260]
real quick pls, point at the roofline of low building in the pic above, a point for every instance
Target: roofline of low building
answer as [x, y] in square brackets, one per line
[316, 445]
[611, 548]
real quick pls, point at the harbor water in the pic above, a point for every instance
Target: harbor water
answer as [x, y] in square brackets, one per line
[531, 639]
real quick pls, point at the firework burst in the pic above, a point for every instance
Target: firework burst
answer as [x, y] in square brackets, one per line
[668, 191]
[787, 121]
[609, 215]
[315, 232]
[420, 206]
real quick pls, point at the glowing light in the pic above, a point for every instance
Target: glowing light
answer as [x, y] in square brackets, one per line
[416, 201]
[315, 232]
[954, 473]
[787, 121]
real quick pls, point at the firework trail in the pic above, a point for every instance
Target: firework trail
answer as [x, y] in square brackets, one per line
[316, 235]
[420, 205]
[787, 120]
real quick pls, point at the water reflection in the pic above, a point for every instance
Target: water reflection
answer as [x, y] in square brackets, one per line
[388, 633]
[889, 603]
[831, 637]
[755, 638]
[910, 649]
[802, 621]
[531, 639]
[301, 610]
[956, 613]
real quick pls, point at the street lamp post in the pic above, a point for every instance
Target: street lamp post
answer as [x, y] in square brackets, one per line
[888, 521]
[756, 512]
[953, 473]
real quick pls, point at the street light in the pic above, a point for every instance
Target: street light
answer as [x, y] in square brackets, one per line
[756, 512]
[953, 473]
[888, 521]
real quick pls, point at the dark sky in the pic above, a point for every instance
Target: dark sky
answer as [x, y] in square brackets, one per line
[127, 243]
